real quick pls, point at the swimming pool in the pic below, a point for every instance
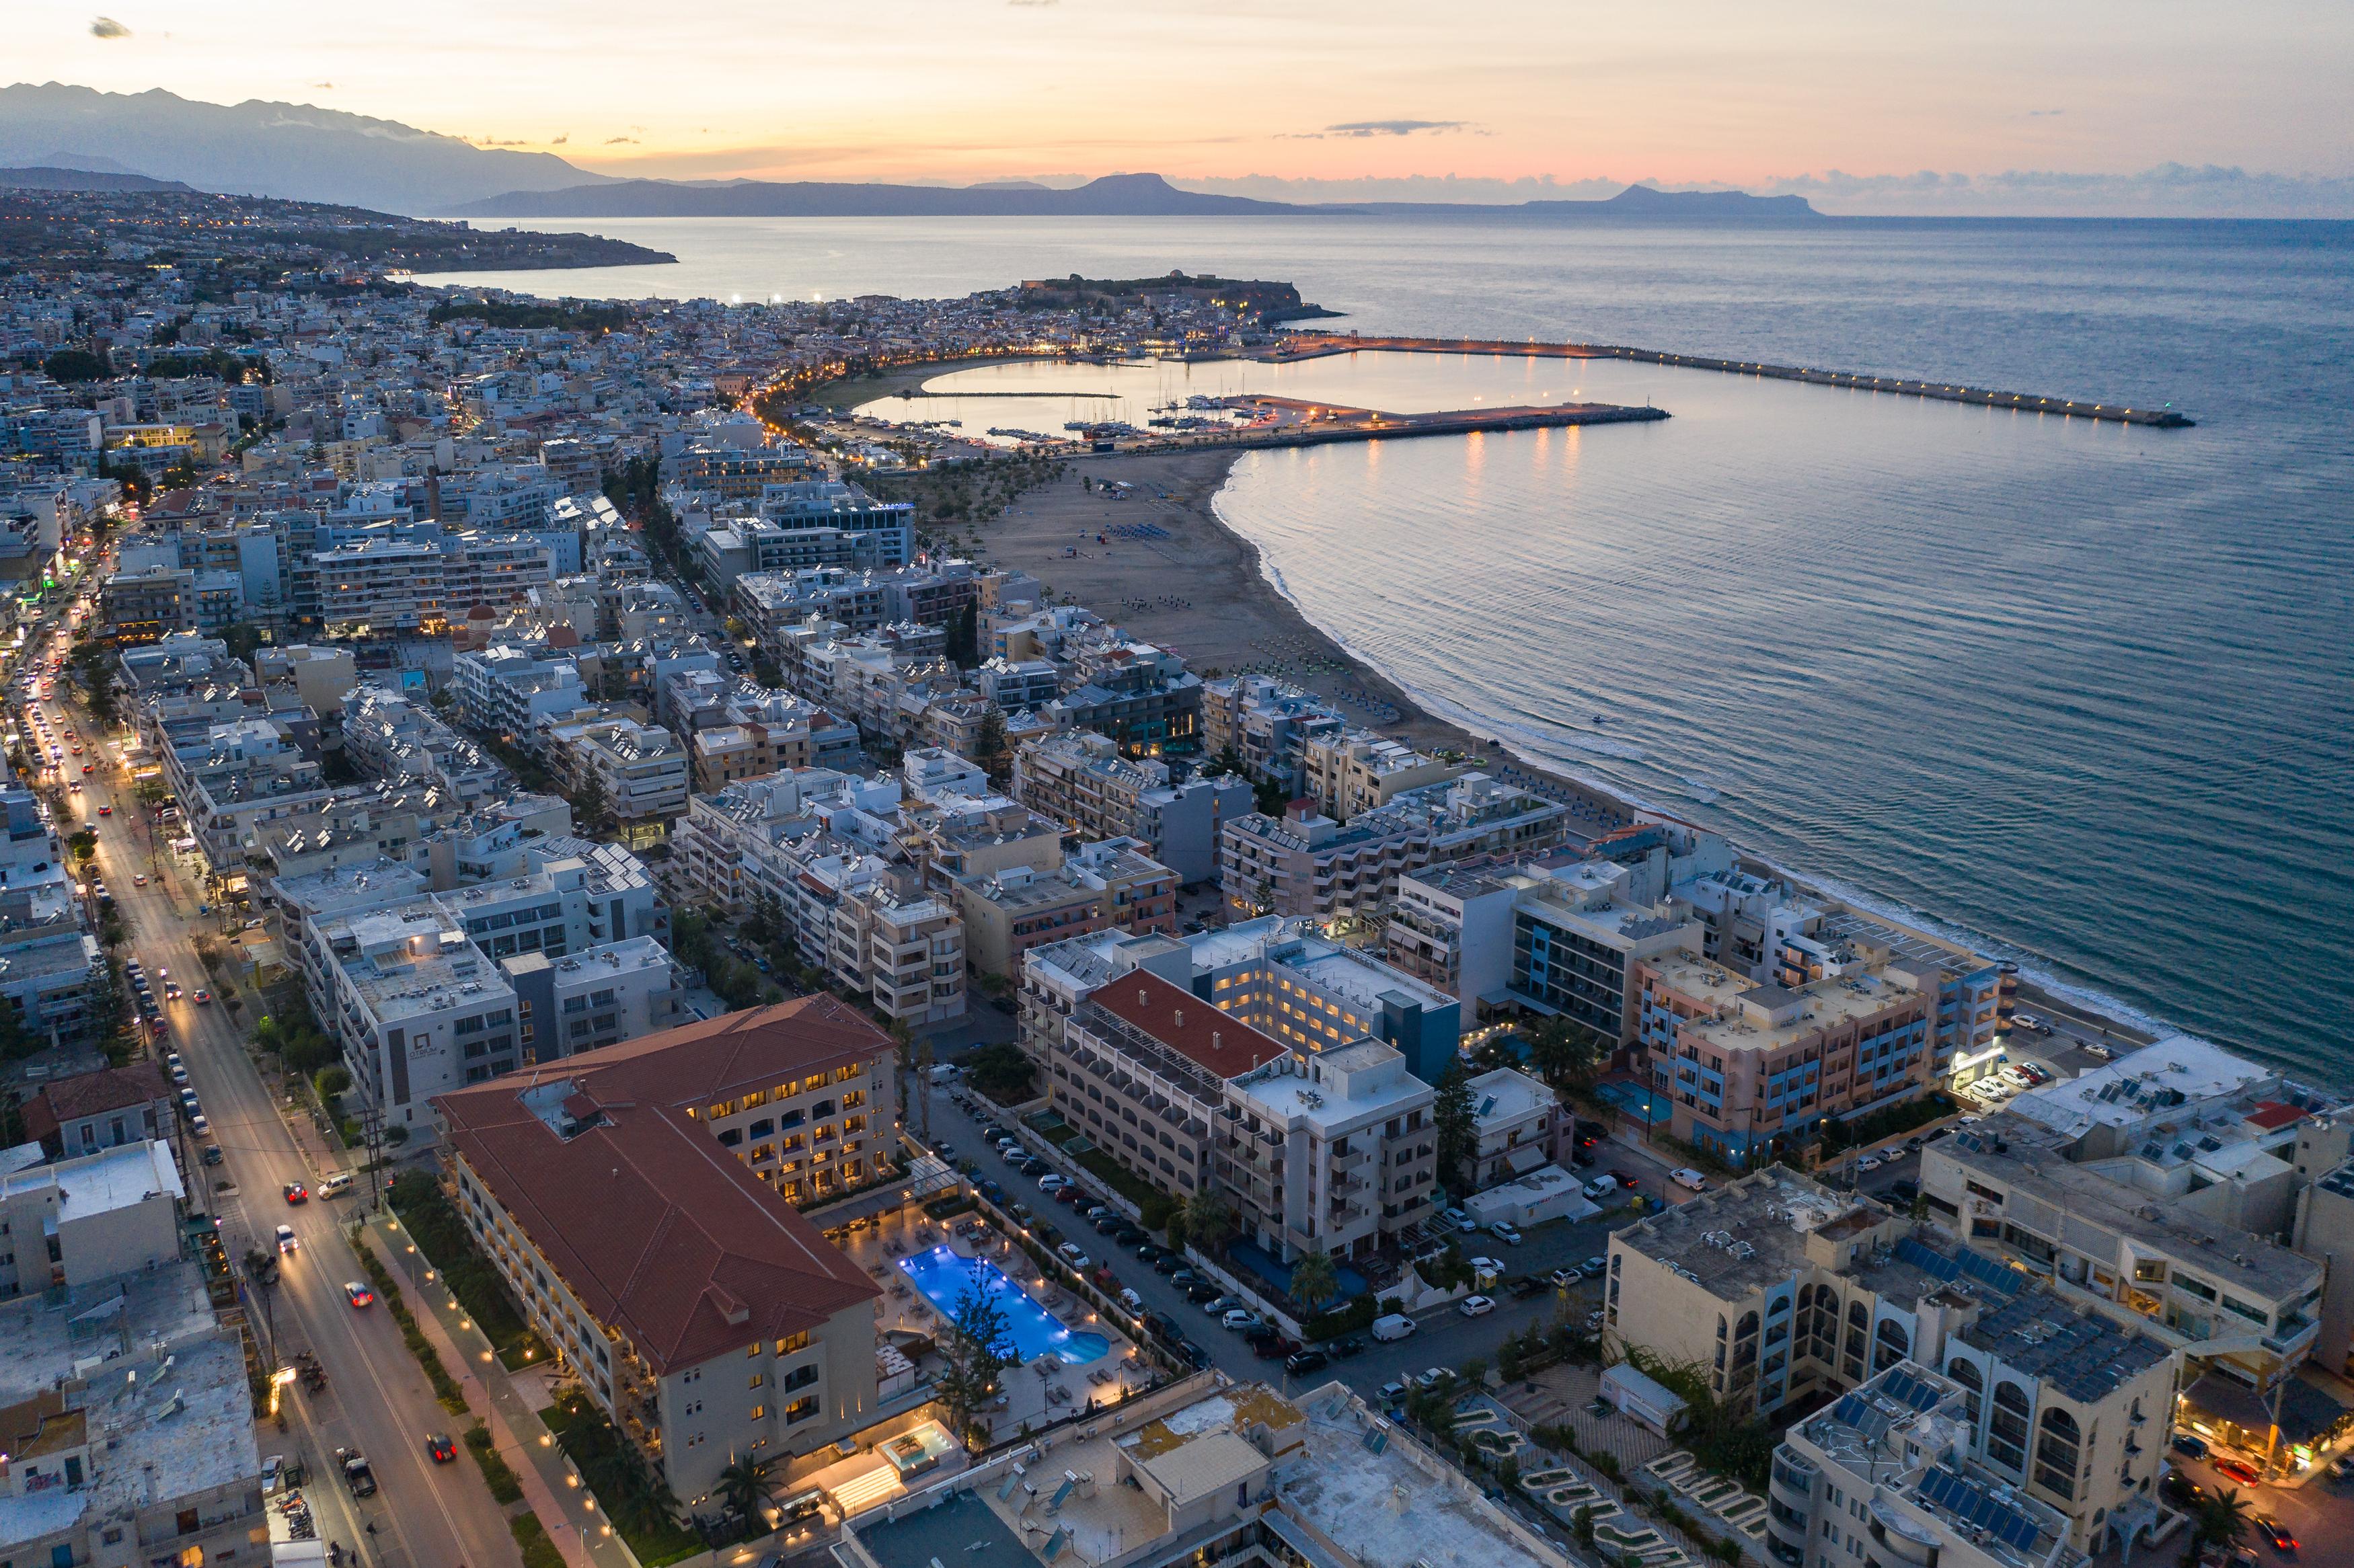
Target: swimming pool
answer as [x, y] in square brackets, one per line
[1031, 1330]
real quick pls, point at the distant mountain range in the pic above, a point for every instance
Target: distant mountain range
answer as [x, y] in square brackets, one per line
[1114, 195]
[302, 153]
[294, 151]
[42, 179]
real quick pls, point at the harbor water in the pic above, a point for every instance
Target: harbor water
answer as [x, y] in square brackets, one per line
[2082, 692]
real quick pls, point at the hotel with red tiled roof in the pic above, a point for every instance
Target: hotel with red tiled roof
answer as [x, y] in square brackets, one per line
[618, 1193]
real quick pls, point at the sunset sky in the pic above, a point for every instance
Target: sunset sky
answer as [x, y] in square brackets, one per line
[959, 89]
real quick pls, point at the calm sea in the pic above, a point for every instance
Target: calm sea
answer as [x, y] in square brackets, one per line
[2084, 693]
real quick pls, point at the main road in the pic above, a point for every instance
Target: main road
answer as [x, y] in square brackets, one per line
[376, 1400]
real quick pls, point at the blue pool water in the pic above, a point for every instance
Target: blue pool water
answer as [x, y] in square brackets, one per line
[1031, 1331]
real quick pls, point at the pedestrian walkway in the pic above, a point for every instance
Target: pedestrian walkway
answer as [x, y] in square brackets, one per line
[566, 1508]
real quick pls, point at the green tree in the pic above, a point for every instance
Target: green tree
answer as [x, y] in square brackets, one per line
[1207, 1220]
[2220, 1520]
[743, 1489]
[973, 1356]
[1315, 1280]
[71, 364]
[333, 1081]
[989, 748]
[1565, 1053]
[592, 811]
[1458, 1132]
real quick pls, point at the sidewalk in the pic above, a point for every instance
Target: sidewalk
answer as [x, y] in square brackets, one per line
[566, 1508]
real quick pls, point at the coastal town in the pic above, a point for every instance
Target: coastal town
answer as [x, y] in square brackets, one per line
[609, 960]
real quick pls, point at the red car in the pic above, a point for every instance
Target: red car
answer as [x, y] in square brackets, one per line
[2239, 1470]
[358, 1295]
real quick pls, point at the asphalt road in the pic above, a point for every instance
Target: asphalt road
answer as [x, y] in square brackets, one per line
[377, 1400]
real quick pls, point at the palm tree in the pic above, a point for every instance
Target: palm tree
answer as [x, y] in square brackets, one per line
[1315, 1280]
[1207, 1220]
[743, 1485]
[2222, 1521]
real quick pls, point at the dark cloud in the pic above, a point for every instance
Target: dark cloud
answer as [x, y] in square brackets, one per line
[108, 27]
[1392, 127]
[561, 140]
[620, 141]
[322, 87]
[2044, 114]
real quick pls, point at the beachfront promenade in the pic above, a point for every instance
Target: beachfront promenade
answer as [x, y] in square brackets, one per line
[1317, 345]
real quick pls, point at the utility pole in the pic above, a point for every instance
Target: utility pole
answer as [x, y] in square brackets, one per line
[372, 1133]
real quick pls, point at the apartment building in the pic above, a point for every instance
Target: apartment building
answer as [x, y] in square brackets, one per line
[1265, 725]
[1354, 771]
[512, 691]
[748, 1333]
[1314, 994]
[1333, 1152]
[86, 1217]
[147, 604]
[2108, 1234]
[1144, 699]
[569, 1003]
[1081, 779]
[1307, 864]
[105, 1109]
[1887, 1477]
[1452, 928]
[1141, 1066]
[1058, 976]
[641, 769]
[806, 524]
[909, 955]
[1098, 886]
[1576, 940]
[1783, 1290]
[129, 1423]
[1753, 1071]
[1518, 1123]
[416, 1008]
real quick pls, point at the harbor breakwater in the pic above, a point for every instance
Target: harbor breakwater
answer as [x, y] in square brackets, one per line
[1300, 345]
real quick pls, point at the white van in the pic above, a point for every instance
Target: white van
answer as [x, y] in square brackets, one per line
[335, 1186]
[1396, 1326]
[1686, 1177]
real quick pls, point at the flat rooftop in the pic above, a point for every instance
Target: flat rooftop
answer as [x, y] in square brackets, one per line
[1746, 1233]
[1820, 1004]
[2026, 1159]
[421, 963]
[1397, 1505]
[1506, 1095]
[1295, 1097]
[1294, 945]
[121, 1177]
[2144, 1084]
[2083, 1354]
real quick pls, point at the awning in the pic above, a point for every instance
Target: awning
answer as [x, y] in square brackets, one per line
[1524, 1159]
[2305, 1412]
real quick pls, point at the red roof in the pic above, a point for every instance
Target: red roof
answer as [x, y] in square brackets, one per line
[1187, 1024]
[2271, 1114]
[93, 1094]
[656, 1228]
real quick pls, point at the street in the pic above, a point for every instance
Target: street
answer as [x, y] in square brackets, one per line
[376, 1398]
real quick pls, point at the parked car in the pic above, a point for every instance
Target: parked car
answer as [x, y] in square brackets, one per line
[1869, 1163]
[1432, 1377]
[1195, 1356]
[1167, 1263]
[1626, 1180]
[1600, 1187]
[1391, 1394]
[1687, 1178]
[1067, 1195]
[1239, 1318]
[1072, 1254]
[1203, 1295]
[1475, 1307]
[1218, 1304]
[1595, 1267]
[1507, 1233]
[1565, 1276]
[1131, 1300]
[1306, 1361]
[1272, 1346]
[2239, 1470]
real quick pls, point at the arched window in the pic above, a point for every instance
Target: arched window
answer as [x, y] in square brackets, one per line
[1895, 1344]
[1748, 1326]
[2056, 1451]
[2007, 1429]
[1965, 1373]
[1857, 1315]
[1858, 1324]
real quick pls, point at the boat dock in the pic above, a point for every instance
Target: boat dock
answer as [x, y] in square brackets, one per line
[1297, 422]
[1317, 345]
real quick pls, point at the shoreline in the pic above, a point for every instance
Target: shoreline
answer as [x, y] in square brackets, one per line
[1235, 618]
